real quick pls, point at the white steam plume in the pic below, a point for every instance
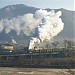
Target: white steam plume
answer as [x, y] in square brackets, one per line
[51, 25]
[43, 24]
[13, 40]
[25, 24]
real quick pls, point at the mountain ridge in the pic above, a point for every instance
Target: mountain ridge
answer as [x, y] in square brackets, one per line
[12, 11]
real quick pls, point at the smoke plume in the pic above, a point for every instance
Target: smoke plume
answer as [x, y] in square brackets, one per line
[40, 26]
[51, 24]
[25, 24]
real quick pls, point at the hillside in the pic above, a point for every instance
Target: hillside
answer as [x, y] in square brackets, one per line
[12, 11]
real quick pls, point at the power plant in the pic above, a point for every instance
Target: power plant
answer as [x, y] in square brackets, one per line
[21, 56]
[41, 27]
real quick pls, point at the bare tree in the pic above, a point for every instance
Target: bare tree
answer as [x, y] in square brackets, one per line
[68, 44]
[55, 44]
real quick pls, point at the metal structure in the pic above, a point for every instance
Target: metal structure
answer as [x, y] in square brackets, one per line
[50, 58]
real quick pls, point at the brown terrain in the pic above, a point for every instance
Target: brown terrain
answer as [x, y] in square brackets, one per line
[35, 71]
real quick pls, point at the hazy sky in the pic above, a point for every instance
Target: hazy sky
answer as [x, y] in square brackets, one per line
[67, 4]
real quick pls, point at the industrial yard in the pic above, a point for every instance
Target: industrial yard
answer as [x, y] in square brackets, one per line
[37, 37]
[21, 56]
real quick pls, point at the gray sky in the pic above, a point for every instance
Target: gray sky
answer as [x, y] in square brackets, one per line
[54, 4]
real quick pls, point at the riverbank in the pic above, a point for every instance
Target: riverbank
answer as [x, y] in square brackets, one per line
[35, 71]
